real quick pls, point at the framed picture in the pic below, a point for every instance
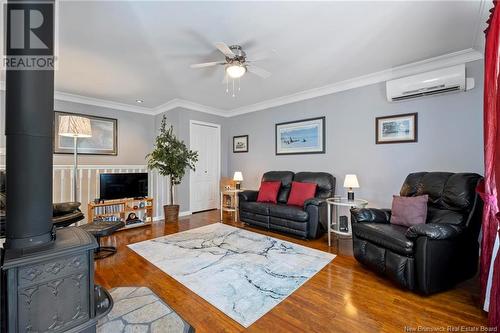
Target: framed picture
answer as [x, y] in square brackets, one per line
[240, 144]
[396, 129]
[305, 136]
[103, 141]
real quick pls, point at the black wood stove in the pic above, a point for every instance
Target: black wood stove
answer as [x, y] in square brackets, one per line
[47, 279]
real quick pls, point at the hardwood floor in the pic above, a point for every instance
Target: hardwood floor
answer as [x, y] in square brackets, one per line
[342, 297]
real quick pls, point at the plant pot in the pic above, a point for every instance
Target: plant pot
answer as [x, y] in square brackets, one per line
[171, 213]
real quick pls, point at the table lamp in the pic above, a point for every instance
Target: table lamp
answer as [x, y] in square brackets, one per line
[238, 178]
[75, 127]
[350, 182]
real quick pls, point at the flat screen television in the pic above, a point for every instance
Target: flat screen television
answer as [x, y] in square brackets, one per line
[123, 185]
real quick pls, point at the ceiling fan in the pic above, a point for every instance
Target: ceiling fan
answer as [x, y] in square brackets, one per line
[236, 64]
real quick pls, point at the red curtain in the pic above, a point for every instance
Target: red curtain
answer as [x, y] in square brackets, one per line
[490, 187]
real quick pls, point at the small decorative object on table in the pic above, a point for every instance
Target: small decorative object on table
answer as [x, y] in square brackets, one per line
[350, 182]
[341, 224]
[132, 219]
[238, 178]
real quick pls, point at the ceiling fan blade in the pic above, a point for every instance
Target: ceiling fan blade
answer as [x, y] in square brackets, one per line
[206, 64]
[259, 71]
[225, 49]
[262, 55]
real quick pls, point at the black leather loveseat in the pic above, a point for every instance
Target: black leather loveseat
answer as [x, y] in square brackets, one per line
[428, 257]
[306, 222]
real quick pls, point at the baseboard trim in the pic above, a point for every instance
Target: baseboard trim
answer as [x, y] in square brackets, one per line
[181, 214]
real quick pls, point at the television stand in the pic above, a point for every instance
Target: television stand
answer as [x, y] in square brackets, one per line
[121, 209]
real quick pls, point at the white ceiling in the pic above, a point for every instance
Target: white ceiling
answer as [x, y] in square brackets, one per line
[121, 51]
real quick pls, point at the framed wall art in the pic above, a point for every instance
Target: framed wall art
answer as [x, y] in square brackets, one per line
[240, 144]
[104, 139]
[398, 128]
[306, 136]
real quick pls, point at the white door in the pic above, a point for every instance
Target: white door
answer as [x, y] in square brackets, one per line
[204, 182]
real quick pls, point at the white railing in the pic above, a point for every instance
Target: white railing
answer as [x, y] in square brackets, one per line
[88, 184]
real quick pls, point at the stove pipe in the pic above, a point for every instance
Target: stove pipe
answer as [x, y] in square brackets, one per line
[29, 109]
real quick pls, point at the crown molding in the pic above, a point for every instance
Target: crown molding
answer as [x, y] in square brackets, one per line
[170, 105]
[445, 60]
[67, 97]
[182, 103]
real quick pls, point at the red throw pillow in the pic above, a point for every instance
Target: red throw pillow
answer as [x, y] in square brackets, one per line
[409, 211]
[301, 192]
[268, 192]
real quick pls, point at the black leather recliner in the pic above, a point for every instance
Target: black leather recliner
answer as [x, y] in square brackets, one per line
[306, 222]
[429, 257]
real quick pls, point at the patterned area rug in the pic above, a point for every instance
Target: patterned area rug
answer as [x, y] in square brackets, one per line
[138, 309]
[242, 273]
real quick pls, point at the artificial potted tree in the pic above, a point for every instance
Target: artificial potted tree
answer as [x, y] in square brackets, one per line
[171, 158]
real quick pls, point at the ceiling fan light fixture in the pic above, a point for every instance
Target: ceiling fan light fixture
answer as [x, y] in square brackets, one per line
[235, 70]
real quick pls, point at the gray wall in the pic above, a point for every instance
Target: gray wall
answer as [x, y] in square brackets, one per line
[450, 138]
[135, 134]
[179, 118]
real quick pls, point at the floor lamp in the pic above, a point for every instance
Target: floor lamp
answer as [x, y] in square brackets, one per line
[75, 127]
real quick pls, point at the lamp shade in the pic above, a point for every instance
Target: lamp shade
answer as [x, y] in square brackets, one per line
[75, 126]
[351, 181]
[238, 176]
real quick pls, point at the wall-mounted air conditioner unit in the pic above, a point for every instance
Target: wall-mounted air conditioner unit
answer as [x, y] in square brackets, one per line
[450, 79]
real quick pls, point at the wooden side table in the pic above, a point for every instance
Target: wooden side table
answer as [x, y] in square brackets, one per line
[233, 204]
[333, 212]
